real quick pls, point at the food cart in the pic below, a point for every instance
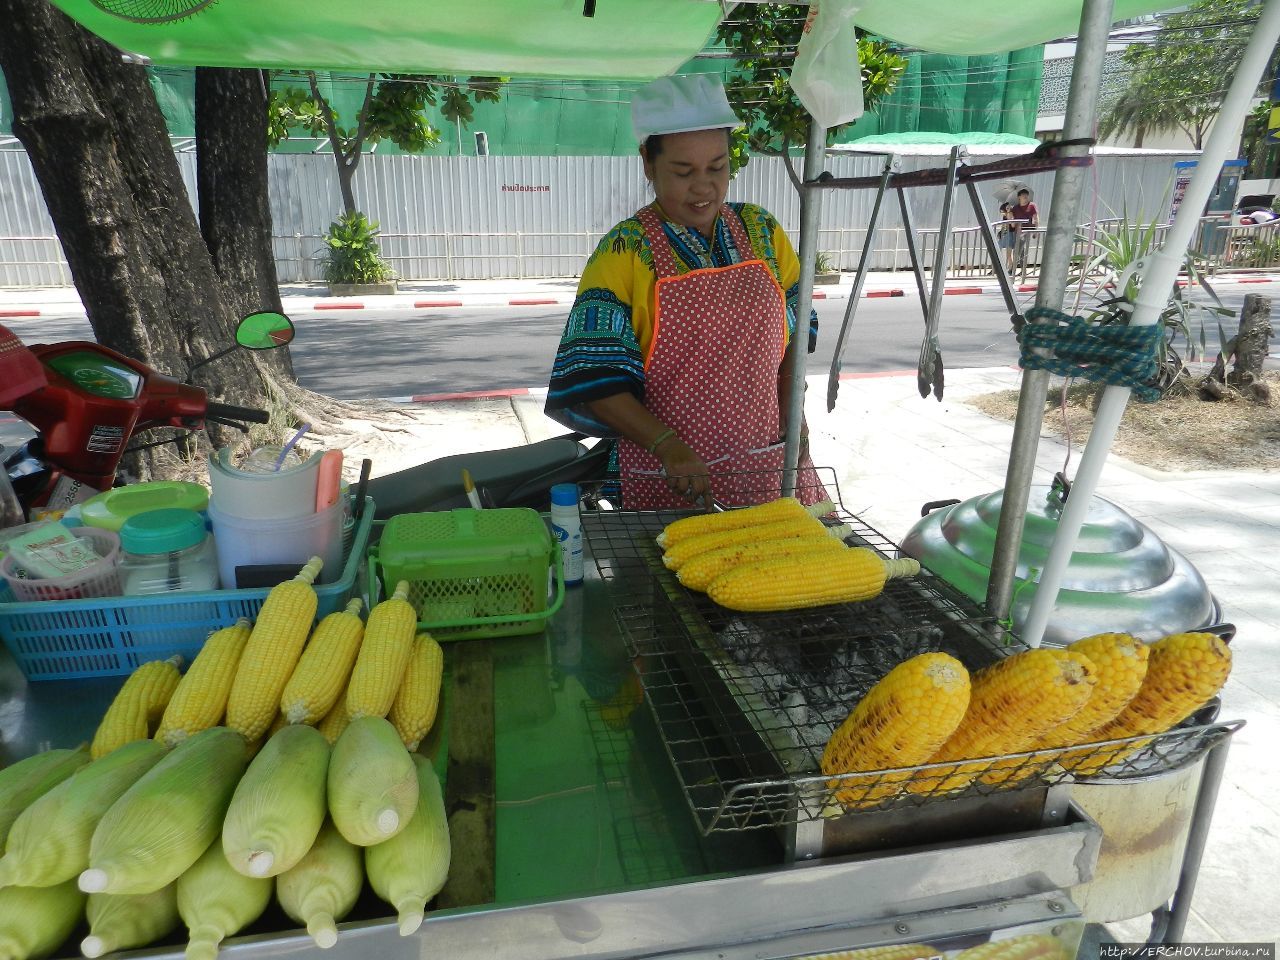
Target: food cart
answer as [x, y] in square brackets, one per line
[670, 802]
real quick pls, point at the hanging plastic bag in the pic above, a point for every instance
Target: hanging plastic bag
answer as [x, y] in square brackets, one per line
[827, 76]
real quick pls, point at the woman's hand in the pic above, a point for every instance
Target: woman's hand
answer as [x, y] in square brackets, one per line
[686, 474]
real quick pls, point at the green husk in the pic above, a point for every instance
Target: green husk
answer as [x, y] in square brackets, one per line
[373, 790]
[49, 842]
[121, 921]
[23, 782]
[216, 902]
[412, 867]
[323, 886]
[165, 821]
[34, 921]
[279, 805]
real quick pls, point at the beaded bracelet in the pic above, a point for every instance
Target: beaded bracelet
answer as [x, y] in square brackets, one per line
[660, 439]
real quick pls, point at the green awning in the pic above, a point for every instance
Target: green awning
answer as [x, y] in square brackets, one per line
[625, 39]
[635, 39]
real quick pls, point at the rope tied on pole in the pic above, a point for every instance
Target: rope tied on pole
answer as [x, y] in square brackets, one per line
[1114, 354]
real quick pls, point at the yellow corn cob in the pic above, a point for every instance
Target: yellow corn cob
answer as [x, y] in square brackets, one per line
[1033, 946]
[897, 951]
[283, 625]
[800, 526]
[698, 572]
[121, 921]
[23, 782]
[201, 698]
[790, 583]
[321, 675]
[1183, 672]
[335, 721]
[1121, 662]
[383, 657]
[35, 920]
[785, 508]
[138, 706]
[323, 886]
[49, 842]
[902, 721]
[1012, 705]
[414, 709]
[216, 902]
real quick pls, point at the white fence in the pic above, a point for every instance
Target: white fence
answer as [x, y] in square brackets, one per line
[455, 218]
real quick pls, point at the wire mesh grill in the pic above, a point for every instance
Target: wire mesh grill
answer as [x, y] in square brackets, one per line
[152, 11]
[745, 703]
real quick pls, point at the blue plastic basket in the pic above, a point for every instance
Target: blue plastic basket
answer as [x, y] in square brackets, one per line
[110, 636]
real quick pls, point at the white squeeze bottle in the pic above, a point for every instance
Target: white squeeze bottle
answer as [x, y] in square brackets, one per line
[567, 526]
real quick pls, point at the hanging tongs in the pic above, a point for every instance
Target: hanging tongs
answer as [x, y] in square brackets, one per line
[929, 369]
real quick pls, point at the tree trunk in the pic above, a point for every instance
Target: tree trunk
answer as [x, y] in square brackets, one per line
[98, 143]
[235, 205]
[346, 170]
[1252, 344]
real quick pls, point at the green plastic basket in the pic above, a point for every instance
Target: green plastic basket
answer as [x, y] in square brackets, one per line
[472, 573]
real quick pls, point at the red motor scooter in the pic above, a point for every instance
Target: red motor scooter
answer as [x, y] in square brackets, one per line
[94, 401]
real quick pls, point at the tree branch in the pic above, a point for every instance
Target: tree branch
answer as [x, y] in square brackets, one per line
[362, 119]
[330, 123]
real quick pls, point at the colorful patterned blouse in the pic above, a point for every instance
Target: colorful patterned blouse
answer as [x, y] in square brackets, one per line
[610, 327]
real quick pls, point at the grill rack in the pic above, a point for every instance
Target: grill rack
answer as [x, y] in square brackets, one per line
[744, 703]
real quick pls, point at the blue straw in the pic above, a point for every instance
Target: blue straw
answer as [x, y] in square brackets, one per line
[293, 441]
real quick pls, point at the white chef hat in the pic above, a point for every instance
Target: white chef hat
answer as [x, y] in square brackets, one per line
[681, 104]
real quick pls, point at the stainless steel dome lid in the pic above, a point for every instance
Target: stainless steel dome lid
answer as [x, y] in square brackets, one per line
[1122, 576]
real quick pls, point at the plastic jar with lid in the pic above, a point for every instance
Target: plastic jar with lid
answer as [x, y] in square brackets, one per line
[167, 551]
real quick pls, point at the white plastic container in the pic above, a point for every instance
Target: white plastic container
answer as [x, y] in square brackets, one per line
[166, 551]
[246, 541]
[566, 524]
[290, 492]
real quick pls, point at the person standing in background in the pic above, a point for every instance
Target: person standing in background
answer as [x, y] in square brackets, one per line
[1024, 214]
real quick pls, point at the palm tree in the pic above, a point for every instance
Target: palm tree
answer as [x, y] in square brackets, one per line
[1138, 110]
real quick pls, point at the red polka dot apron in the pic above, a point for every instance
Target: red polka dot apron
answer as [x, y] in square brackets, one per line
[719, 335]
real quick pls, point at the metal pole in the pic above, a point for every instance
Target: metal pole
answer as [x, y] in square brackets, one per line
[929, 369]
[810, 211]
[1201, 816]
[909, 231]
[993, 250]
[859, 281]
[1159, 274]
[1068, 185]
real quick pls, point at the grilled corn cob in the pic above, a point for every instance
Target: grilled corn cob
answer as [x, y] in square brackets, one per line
[792, 583]
[1183, 672]
[279, 804]
[200, 700]
[384, 655]
[784, 508]
[1012, 705]
[323, 886]
[34, 921]
[321, 676]
[216, 902]
[23, 782]
[373, 789]
[138, 706]
[283, 624]
[411, 868]
[902, 721]
[126, 920]
[49, 842]
[416, 703]
[698, 572]
[161, 825]
[1033, 946]
[798, 526]
[1121, 662]
[897, 951]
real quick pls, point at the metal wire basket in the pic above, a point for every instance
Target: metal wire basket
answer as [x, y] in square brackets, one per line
[745, 703]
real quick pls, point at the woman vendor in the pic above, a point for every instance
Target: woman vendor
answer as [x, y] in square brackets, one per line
[678, 342]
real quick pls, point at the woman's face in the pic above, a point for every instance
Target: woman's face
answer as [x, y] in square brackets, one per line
[690, 176]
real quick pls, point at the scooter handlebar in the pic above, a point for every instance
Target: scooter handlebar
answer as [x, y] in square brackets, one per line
[225, 411]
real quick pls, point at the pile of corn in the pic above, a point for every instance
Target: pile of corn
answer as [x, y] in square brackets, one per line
[280, 764]
[929, 710]
[775, 556]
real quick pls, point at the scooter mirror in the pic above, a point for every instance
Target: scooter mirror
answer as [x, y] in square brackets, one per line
[264, 330]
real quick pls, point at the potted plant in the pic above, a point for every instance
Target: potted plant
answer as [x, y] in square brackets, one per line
[824, 271]
[352, 263]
